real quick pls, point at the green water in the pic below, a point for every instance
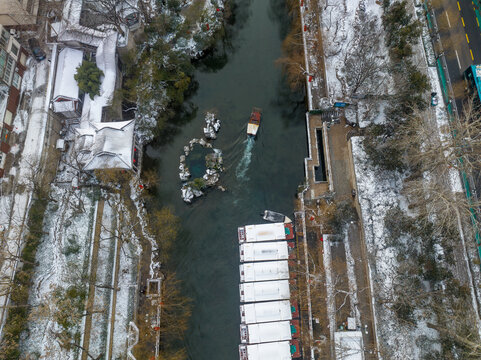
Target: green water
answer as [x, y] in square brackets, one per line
[259, 175]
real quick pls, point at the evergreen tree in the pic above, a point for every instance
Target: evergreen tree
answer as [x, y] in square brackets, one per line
[88, 78]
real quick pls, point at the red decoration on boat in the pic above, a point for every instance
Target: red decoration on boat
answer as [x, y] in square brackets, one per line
[207, 26]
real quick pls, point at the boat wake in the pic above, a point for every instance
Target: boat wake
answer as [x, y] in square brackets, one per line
[243, 165]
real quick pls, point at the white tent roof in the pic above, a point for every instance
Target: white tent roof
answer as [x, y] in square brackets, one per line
[270, 351]
[277, 250]
[349, 345]
[263, 271]
[265, 291]
[265, 312]
[107, 145]
[65, 84]
[266, 332]
[265, 232]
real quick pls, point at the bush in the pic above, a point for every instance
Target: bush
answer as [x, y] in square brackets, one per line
[344, 213]
[198, 184]
[88, 78]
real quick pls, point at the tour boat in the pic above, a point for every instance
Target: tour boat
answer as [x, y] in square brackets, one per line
[254, 122]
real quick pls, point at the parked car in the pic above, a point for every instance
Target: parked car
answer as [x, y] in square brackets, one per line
[36, 50]
[434, 99]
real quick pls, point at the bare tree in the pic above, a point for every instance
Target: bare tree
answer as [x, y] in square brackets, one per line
[362, 63]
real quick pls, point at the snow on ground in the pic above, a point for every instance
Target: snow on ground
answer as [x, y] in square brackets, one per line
[106, 61]
[127, 282]
[378, 192]
[29, 162]
[338, 33]
[62, 258]
[98, 333]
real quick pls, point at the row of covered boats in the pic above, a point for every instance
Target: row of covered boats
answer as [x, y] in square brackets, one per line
[270, 326]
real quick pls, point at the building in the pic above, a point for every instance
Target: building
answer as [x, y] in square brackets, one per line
[66, 99]
[107, 145]
[13, 59]
[18, 12]
[349, 345]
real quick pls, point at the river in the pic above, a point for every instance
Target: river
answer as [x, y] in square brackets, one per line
[260, 175]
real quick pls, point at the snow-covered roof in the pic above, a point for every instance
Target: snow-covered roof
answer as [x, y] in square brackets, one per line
[107, 145]
[265, 232]
[266, 332]
[263, 271]
[277, 250]
[64, 106]
[280, 350]
[65, 84]
[265, 312]
[265, 291]
[349, 345]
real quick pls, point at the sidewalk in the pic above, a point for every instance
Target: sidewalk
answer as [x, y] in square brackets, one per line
[29, 171]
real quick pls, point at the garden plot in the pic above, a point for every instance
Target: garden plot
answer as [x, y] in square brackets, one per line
[356, 57]
[63, 257]
[379, 192]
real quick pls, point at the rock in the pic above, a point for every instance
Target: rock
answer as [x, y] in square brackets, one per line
[216, 125]
[221, 188]
[187, 194]
[186, 150]
[202, 142]
[209, 132]
[182, 158]
[184, 175]
[209, 118]
[197, 193]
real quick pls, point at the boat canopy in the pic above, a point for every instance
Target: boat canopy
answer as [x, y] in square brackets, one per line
[264, 251]
[266, 332]
[264, 271]
[265, 232]
[280, 350]
[264, 291]
[266, 312]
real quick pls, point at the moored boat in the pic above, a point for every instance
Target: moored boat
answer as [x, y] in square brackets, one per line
[254, 122]
[273, 216]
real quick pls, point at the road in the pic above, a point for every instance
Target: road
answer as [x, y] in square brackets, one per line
[460, 36]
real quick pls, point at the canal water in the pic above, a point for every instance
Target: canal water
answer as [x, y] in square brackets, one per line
[260, 174]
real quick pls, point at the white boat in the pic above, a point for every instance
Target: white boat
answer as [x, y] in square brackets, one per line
[264, 291]
[274, 217]
[265, 232]
[265, 312]
[264, 271]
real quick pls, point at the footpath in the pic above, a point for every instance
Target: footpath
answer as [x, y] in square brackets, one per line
[16, 205]
[344, 289]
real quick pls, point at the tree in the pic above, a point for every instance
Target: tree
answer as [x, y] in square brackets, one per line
[88, 78]
[293, 61]
[362, 64]
[401, 30]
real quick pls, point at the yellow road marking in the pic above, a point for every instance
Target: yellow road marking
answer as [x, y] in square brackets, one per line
[459, 7]
[477, 21]
[472, 57]
[467, 39]
[463, 21]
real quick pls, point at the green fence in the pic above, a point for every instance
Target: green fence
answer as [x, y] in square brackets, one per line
[449, 107]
